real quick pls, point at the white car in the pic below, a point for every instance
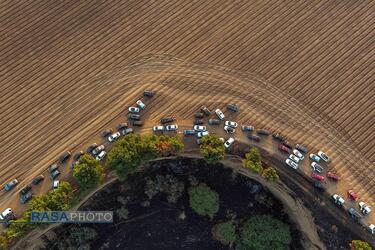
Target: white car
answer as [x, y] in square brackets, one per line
[101, 156]
[291, 163]
[6, 213]
[231, 124]
[133, 110]
[316, 167]
[294, 158]
[229, 129]
[141, 104]
[229, 142]
[158, 128]
[323, 156]
[365, 209]
[55, 184]
[371, 228]
[298, 154]
[114, 136]
[172, 127]
[220, 114]
[338, 199]
[200, 128]
[201, 134]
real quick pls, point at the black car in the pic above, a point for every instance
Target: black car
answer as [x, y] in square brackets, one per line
[278, 137]
[213, 121]
[78, 155]
[232, 107]
[198, 122]
[138, 123]
[107, 132]
[198, 115]
[165, 120]
[25, 198]
[52, 168]
[263, 132]
[25, 190]
[318, 185]
[148, 93]
[91, 148]
[122, 126]
[65, 156]
[205, 111]
[288, 144]
[53, 175]
[134, 117]
[254, 138]
[301, 148]
[37, 180]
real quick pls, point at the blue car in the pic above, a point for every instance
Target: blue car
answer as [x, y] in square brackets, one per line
[11, 185]
[314, 158]
[189, 132]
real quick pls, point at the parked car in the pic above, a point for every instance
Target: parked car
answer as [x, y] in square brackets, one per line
[301, 148]
[133, 110]
[122, 126]
[287, 144]
[53, 175]
[165, 120]
[220, 114]
[78, 155]
[55, 184]
[25, 189]
[318, 185]
[213, 121]
[199, 128]
[52, 168]
[205, 111]
[333, 176]
[298, 154]
[231, 124]
[232, 107]
[229, 142]
[127, 131]
[134, 117]
[283, 149]
[323, 156]
[337, 199]
[317, 177]
[138, 123]
[352, 195]
[198, 115]
[107, 132]
[247, 128]
[6, 214]
[140, 104]
[98, 149]
[199, 141]
[189, 132]
[263, 132]
[203, 133]
[26, 197]
[101, 155]
[354, 214]
[254, 138]
[113, 137]
[364, 208]
[315, 158]
[371, 228]
[65, 156]
[37, 180]
[316, 167]
[291, 163]
[294, 158]
[158, 128]
[278, 137]
[172, 127]
[229, 129]
[148, 93]
[198, 122]
[91, 148]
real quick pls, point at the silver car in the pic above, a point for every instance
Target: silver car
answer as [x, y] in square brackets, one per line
[294, 158]
[298, 154]
[316, 167]
[323, 156]
[172, 127]
[291, 163]
[199, 128]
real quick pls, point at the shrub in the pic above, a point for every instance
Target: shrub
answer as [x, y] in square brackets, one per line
[263, 232]
[225, 232]
[123, 213]
[212, 149]
[360, 245]
[270, 174]
[3, 242]
[165, 184]
[203, 200]
[79, 238]
[253, 160]
[88, 173]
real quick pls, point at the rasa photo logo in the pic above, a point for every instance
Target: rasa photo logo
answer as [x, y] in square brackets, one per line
[71, 217]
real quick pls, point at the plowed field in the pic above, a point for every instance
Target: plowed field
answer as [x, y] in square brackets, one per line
[304, 68]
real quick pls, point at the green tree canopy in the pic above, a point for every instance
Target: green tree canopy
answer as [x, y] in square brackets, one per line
[253, 160]
[226, 232]
[88, 173]
[262, 232]
[212, 149]
[270, 174]
[360, 245]
[203, 200]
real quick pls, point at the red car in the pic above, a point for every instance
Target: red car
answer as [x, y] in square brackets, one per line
[284, 149]
[317, 177]
[333, 176]
[352, 195]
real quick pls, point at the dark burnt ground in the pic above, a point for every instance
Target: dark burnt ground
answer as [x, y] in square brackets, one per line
[157, 225]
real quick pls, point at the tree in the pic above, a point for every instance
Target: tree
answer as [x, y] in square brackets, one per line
[88, 173]
[270, 174]
[253, 160]
[3, 242]
[203, 200]
[167, 145]
[212, 149]
[225, 232]
[360, 245]
[262, 232]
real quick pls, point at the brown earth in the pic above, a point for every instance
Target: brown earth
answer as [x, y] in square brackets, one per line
[69, 69]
